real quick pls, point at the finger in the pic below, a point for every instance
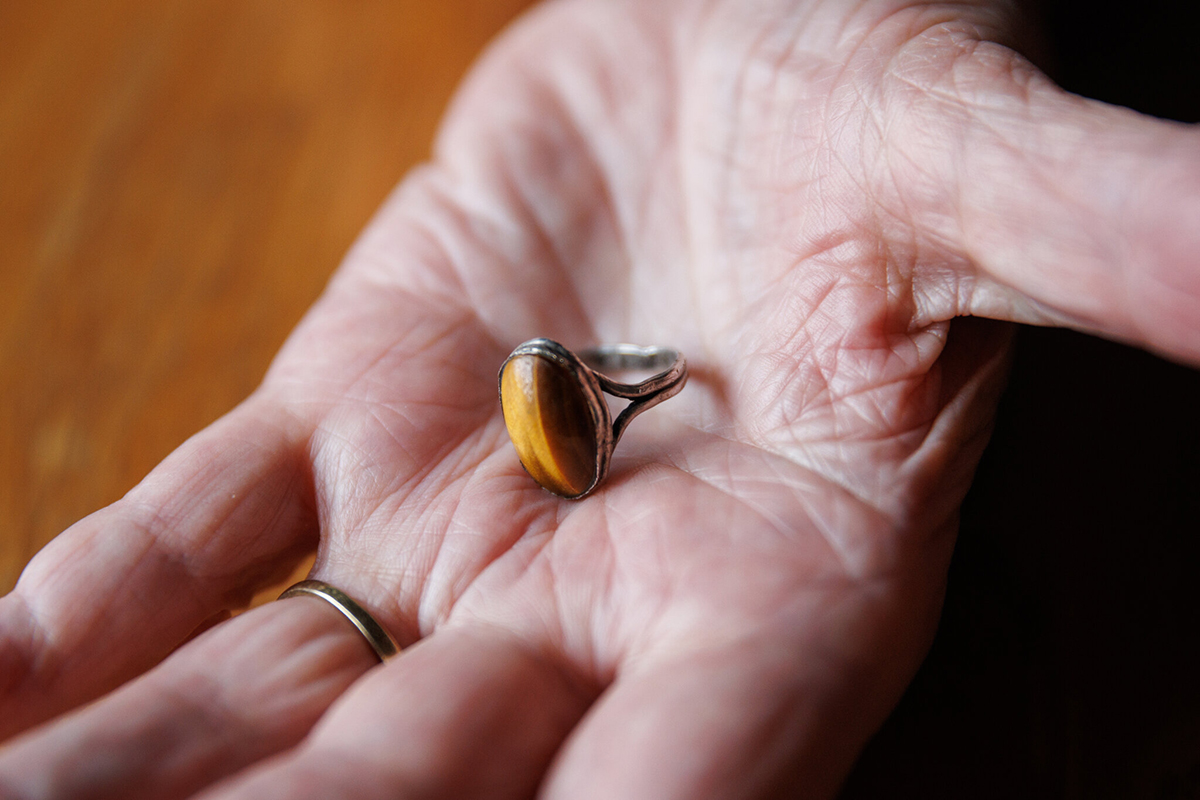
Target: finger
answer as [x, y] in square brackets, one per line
[464, 713]
[779, 713]
[1067, 211]
[226, 514]
[247, 689]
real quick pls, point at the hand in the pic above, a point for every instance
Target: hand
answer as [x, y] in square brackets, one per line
[798, 197]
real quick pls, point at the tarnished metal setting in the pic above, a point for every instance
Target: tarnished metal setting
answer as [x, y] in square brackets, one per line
[557, 417]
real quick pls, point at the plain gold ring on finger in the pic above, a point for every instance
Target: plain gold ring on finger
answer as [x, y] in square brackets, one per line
[376, 635]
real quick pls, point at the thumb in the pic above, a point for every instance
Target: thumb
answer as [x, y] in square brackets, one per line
[1064, 210]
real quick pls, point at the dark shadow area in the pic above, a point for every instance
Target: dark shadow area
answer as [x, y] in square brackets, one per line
[1067, 664]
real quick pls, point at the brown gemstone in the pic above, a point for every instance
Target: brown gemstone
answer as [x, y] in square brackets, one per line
[550, 423]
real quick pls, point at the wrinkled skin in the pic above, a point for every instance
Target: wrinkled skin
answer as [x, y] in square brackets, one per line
[801, 196]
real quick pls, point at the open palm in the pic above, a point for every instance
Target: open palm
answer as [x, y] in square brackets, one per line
[800, 196]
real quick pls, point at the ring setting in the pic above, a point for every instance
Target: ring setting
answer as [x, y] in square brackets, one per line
[555, 410]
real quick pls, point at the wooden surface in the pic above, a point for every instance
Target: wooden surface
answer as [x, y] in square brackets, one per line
[178, 178]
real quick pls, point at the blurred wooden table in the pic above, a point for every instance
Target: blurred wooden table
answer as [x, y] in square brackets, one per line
[178, 178]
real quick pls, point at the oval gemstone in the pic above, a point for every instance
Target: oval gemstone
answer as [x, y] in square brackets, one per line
[550, 423]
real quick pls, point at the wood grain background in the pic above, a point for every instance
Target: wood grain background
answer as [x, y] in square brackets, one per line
[178, 178]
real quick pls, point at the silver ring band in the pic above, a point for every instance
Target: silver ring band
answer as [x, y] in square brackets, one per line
[379, 639]
[623, 357]
[556, 414]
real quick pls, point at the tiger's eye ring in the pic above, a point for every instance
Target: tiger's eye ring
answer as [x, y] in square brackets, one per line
[557, 417]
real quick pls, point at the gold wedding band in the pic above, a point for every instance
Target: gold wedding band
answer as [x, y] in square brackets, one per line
[380, 640]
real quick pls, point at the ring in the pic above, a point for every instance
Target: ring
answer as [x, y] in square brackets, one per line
[555, 410]
[380, 640]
